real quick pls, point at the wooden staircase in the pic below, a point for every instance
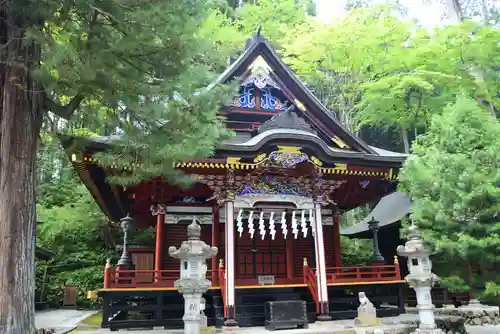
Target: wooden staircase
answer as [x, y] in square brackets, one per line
[312, 283]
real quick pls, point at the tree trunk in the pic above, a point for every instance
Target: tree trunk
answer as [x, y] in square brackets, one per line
[455, 10]
[406, 141]
[20, 121]
[492, 109]
[470, 280]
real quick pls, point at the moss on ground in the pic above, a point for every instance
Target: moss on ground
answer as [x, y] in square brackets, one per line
[89, 323]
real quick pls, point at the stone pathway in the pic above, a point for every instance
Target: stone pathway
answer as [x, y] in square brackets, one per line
[60, 319]
[330, 328]
[483, 329]
[70, 318]
[259, 330]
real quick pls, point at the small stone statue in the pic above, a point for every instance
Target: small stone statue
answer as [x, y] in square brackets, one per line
[367, 313]
[363, 300]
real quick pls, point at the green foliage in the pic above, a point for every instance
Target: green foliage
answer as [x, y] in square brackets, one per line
[77, 232]
[372, 68]
[138, 70]
[275, 17]
[355, 252]
[492, 293]
[453, 179]
[454, 284]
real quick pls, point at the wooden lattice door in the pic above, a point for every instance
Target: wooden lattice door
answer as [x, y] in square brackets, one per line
[260, 257]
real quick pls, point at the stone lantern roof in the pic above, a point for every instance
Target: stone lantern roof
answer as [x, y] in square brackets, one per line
[415, 245]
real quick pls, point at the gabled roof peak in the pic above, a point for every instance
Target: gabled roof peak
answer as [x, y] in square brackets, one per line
[310, 108]
[254, 38]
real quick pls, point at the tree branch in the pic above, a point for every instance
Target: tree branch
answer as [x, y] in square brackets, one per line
[63, 111]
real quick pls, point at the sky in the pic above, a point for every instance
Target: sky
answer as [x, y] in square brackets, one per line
[428, 15]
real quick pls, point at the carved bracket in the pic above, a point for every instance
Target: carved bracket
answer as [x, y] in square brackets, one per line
[158, 209]
[319, 188]
[223, 186]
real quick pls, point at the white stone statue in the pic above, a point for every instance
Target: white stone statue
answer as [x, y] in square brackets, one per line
[367, 313]
[363, 300]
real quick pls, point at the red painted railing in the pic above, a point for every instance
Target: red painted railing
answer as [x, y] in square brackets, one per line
[312, 283]
[364, 273]
[119, 278]
[222, 284]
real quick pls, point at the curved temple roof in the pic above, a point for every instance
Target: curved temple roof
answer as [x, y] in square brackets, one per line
[389, 210]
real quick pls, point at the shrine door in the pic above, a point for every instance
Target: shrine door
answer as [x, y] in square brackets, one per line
[260, 257]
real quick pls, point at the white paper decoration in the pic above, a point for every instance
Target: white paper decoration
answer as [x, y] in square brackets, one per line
[295, 230]
[311, 221]
[284, 228]
[262, 227]
[239, 222]
[303, 223]
[251, 229]
[272, 230]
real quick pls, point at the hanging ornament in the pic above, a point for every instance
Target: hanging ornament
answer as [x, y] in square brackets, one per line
[262, 227]
[295, 230]
[239, 222]
[303, 223]
[272, 230]
[250, 225]
[311, 221]
[283, 225]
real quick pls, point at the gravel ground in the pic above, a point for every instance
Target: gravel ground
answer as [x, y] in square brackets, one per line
[60, 319]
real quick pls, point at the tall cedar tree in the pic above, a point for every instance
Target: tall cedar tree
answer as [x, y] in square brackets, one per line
[140, 60]
[453, 179]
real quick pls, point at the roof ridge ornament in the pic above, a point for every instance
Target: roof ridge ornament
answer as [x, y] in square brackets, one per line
[286, 120]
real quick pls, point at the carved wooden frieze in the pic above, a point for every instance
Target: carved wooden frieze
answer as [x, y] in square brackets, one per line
[177, 218]
[286, 120]
[249, 200]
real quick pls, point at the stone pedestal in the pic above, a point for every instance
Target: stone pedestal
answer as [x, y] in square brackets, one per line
[424, 306]
[478, 314]
[367, 313]
[428, 331]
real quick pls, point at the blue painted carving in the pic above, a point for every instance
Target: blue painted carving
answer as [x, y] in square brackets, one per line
[269, 99]
[247, 98]
[271, 102]
[272, 186]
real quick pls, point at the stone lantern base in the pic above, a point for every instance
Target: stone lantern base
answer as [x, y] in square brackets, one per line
[428, 331]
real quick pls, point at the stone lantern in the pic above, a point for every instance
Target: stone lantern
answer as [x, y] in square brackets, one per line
[125, 262]
[193, 254]
[374, 227]
[421, 279]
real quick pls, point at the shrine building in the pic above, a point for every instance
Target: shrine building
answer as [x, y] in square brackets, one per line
[270, 200]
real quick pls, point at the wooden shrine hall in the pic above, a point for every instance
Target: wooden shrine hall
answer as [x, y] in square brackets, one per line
[270, 200]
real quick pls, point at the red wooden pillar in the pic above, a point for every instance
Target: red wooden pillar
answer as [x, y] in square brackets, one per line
[215, 241]
[337, 255]
[289, 257]
[160, 237]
